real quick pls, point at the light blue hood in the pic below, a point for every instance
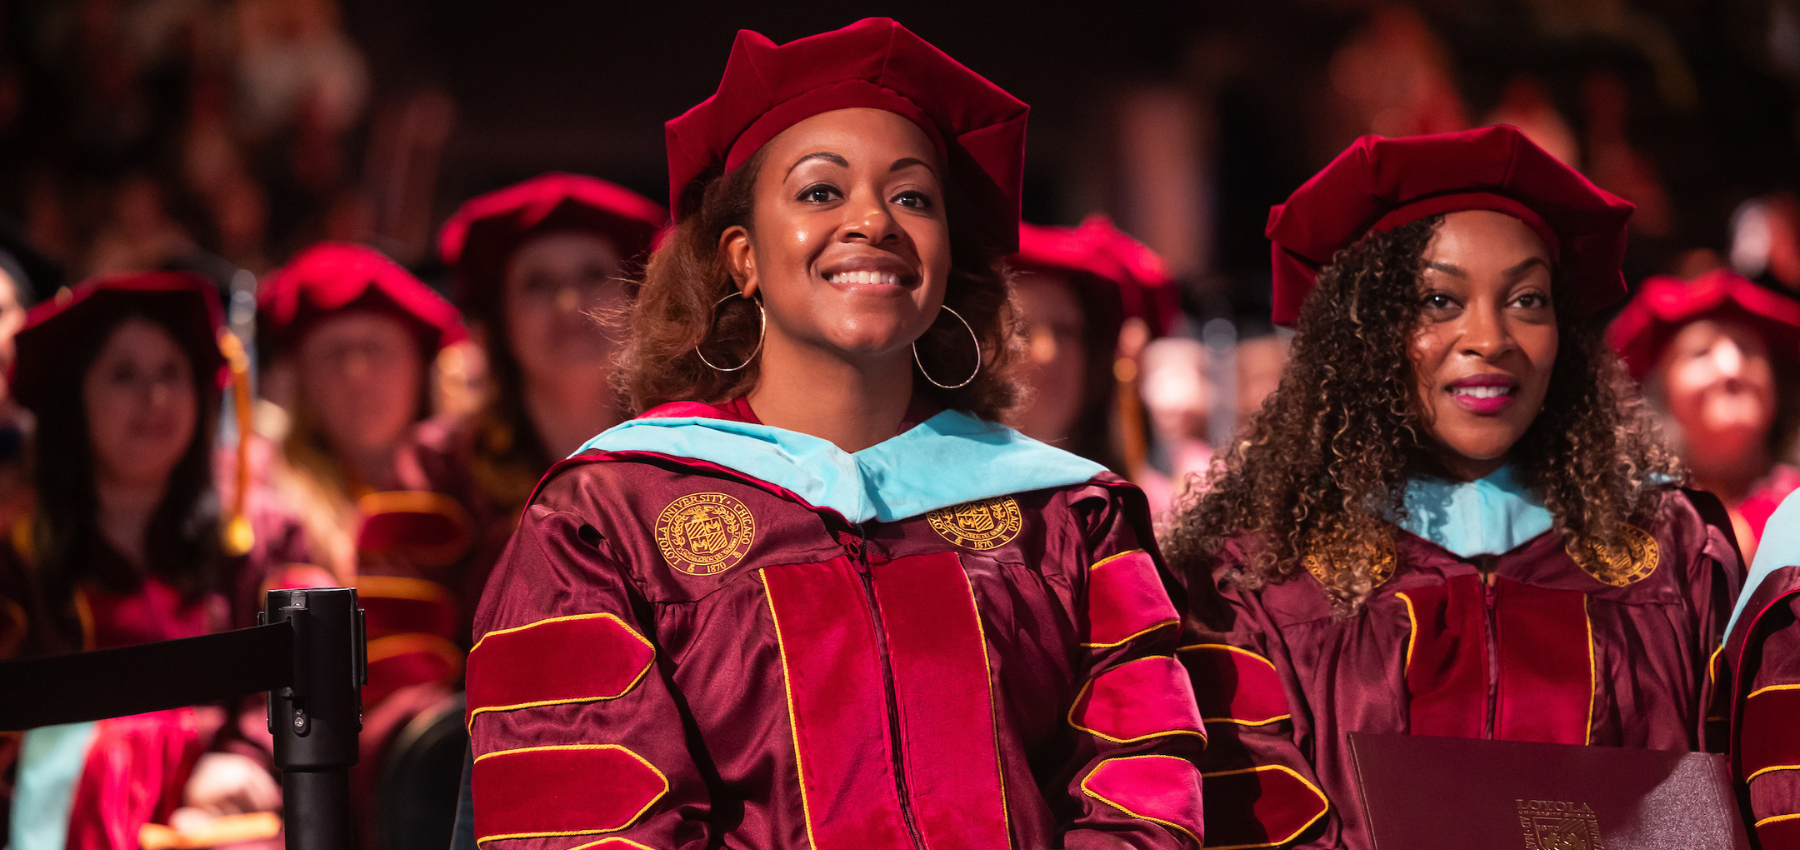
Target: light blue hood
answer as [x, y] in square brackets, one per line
[1779, 547]
[946, 460]
[1487, 516]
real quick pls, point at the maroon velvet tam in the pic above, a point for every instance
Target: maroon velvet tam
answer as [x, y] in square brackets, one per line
[1104, 258]
[874, 63]
[332, 277]
[480, 238]
[185, 303]
[1664, 305]
[1379, 184]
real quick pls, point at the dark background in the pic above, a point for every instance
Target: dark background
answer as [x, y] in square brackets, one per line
[129, 135]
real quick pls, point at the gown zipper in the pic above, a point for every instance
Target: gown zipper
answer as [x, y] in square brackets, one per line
[859, 555]
[1486, 565]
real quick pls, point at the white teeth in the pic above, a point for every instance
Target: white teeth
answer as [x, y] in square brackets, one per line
[866, 278]
[1482, 392]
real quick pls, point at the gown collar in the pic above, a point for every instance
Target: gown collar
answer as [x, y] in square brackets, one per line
[947, 459]
[1487, 516]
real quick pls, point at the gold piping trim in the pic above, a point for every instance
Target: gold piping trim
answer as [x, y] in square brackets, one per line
[1712, 664]
[1134, 636]
[1291, 772]
[993, 704]
[793, 724]
[1760, 691]
[614, 618]
[1771, 769]
[605, 841]
[1587, 619]
[1090, 792]
[1777, 819]
[1111, 558]
[1244, 722]
[1412, 632]
[1089, 685]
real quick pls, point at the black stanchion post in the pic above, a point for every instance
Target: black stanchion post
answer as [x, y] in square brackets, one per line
[315, 721]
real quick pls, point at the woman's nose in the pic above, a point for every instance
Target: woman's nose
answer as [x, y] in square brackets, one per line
[1728, 358]
[1484, 332]
[872, 221]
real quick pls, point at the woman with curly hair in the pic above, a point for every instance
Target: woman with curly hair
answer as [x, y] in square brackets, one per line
[1453, 518]
[813, 596]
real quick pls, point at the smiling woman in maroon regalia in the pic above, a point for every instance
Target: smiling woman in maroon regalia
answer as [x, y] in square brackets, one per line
[1452, 518]
[813, 596]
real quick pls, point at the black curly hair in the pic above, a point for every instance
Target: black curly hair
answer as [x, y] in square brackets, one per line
[1317, 475]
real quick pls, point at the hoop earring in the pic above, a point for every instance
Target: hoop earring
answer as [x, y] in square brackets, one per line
[972, 336]
[761, 330]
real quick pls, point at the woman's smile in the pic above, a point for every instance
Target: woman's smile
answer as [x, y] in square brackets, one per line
[1484, 395]
[863, 272]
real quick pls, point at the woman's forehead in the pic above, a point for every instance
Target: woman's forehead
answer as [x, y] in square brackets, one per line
[857, 136]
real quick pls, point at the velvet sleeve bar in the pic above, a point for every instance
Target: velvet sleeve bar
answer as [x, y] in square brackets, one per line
[1138, 733]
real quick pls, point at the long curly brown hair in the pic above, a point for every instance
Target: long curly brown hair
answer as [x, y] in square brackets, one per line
[1319, 474]
[674, 316]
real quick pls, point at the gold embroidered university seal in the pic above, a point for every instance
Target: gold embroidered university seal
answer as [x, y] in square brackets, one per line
[983, 525]
[705, 534]
[1379, 550]
[1623, 565]
[1559, 825]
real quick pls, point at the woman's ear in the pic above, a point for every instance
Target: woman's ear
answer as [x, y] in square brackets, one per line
[740, 259]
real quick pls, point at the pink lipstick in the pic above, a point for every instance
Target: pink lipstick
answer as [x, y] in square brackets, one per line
[1484, 395]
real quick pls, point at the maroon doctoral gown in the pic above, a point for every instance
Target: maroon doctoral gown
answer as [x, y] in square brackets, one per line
[709, 632]
[1519, 645]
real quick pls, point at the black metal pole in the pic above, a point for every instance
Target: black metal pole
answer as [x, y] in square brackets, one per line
[315, 721]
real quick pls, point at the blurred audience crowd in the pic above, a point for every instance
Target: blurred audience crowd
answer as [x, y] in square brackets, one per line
[199, 199]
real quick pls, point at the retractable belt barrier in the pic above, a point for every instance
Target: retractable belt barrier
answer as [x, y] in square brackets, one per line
[308, 654]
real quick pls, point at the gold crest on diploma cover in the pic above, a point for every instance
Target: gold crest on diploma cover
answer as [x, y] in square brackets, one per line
[983, 525]
[1559, 825]
[705, 534]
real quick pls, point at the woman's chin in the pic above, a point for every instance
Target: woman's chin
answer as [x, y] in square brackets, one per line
[870, 339]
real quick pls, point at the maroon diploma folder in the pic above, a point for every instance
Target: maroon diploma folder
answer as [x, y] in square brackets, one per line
[1422, 793]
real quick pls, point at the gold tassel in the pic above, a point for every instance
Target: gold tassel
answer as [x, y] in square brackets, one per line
[239, 538]
[1134, 334]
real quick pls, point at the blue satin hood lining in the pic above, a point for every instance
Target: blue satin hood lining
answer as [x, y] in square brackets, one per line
[1487, 516]
[946, 460]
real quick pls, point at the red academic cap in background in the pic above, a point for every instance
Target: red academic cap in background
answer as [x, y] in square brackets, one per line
[187, 303]
[1664, 305]
[331, 277]
[1101, 256]
[874, 63]
[1379, 184]
[480, 238]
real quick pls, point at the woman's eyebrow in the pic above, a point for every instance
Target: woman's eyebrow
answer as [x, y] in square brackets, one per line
[1524, 266]
[1447, 268]
[909, 162]
[828, 156]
